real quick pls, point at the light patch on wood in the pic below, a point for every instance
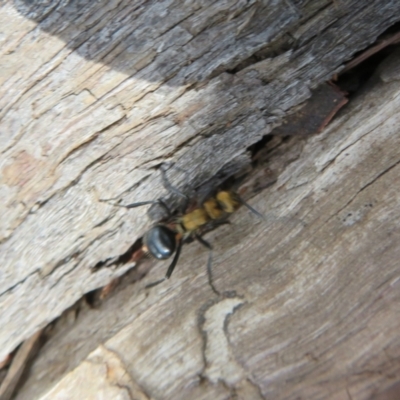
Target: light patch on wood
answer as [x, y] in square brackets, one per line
[220, 363]
[101, 376]
[105, 138]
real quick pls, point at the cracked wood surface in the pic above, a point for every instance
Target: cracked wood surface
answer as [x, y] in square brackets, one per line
[95, 95]
[311, 301]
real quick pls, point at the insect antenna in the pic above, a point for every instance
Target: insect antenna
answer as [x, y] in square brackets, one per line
[167, 184]
[171, 188]
[270, 217]
[249, 207]
[170, 268]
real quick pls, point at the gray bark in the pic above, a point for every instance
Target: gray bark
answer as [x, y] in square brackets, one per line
[310, 301]
[94, 96]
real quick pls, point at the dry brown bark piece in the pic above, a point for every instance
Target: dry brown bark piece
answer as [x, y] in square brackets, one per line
[18, 366]
[316, 114]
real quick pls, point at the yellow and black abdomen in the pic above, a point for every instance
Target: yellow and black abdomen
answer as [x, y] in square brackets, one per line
[194, 220]
[228, 201]
[212, 209]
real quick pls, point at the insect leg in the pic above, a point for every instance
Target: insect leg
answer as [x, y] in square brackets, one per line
[150, 285]
[209, 262]
[168, 186]
[141, 203]
[133, 205]
[174, 261]
[170, 268]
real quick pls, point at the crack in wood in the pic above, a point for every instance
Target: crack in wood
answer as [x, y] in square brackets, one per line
[11, 288]
[252, 98]
[364, 187]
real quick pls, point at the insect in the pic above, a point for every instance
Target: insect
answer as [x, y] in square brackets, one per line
[165, 239]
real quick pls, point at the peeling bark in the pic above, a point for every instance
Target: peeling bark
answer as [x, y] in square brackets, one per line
[95, 96]
[308, 304]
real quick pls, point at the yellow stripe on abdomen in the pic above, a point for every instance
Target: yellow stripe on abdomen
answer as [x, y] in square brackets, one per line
[194, 219]
[213, 209]
[227, 201]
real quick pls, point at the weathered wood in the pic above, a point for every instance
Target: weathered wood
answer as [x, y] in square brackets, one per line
[311, 304]
[95, 95]
[19, 364]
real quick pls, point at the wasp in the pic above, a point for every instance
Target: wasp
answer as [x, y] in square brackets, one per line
[165, 239]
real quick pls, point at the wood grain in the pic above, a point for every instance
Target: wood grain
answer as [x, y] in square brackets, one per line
[94, 96]
[310, 297]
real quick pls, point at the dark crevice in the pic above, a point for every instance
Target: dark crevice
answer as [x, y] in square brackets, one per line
[127, 256]
[364, 63]
[11, 288]
[347, 85]
[259, 146]
[133, 255]
[351, 80]
[120, 260]
[92, 298]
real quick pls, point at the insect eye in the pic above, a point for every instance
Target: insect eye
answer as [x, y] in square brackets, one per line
[160, 241]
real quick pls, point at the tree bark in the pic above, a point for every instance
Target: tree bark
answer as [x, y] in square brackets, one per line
[309, 304]
[95, 96]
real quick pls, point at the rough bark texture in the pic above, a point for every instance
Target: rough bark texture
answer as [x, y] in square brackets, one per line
[311, 302]
[94, 96]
